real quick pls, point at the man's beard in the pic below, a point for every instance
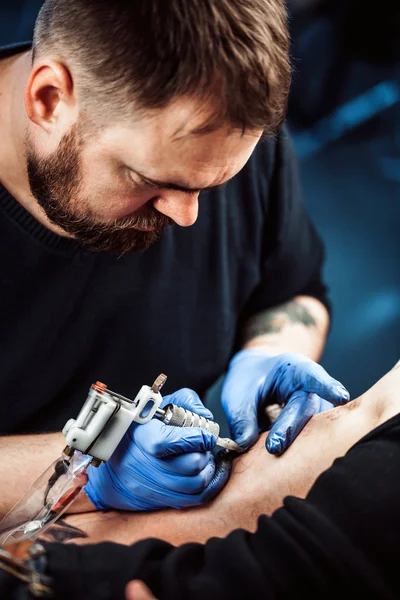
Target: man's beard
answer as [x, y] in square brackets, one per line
[55, 182]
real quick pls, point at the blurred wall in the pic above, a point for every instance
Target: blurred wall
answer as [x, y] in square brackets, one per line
[17, 19]
[344, 113]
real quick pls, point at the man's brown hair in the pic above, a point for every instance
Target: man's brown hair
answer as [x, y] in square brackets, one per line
[147, 53]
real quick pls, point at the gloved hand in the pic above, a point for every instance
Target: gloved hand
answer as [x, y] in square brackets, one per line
[256, 379]
[158, 465]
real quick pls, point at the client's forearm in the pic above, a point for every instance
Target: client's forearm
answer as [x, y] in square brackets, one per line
[174, 526]
[259, 481]
[217, 518]
[258, 485]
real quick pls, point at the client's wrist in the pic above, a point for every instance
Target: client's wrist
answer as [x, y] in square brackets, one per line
[82, 504]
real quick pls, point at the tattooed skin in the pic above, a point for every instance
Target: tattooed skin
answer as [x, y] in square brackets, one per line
[62, 532]
[275, 319]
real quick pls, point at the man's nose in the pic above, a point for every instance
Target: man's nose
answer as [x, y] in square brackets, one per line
[181, 207]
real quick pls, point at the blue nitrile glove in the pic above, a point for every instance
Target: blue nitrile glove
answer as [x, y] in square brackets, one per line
[158, 465]
[256, 379]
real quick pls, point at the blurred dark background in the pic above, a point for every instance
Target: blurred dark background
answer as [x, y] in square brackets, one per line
[344, 113]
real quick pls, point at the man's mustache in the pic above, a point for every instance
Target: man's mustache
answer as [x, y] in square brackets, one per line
[148, 219]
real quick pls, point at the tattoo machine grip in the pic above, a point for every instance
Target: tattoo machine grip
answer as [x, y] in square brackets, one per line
[181, 417]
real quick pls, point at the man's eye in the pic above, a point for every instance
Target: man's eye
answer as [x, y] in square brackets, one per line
[148, 183]
[141, 182]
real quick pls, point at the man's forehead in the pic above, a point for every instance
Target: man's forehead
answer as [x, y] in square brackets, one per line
[188, 117]
[184, 119]
[169, 147]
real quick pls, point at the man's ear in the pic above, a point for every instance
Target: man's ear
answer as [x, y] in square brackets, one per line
[49, 90]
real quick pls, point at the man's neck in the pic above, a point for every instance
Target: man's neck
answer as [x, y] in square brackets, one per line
[14, 73]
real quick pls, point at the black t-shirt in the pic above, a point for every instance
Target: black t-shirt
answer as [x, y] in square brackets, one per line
[70, 316]
[342, 541]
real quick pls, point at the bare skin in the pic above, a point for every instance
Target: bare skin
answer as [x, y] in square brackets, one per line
[259, 481]
[137, 590]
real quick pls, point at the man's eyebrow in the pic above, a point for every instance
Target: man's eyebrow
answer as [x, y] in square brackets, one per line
[167, 185]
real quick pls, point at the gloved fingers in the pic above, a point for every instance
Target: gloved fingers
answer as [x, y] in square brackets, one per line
[241, 416]
[188, 399]
[150, 487]
[191, 491]
[244, 430]
[311, 377]
[160, 481]
[190, 485]
[159, 440]
[324, 405]
[223, 467]
[188, 464]
[92, 490]
[293, 418]
[214, 480]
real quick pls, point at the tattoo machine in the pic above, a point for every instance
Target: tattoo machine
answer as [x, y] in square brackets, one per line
[91, 439]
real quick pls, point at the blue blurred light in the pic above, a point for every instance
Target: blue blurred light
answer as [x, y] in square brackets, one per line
[376, 313]
[351, 114]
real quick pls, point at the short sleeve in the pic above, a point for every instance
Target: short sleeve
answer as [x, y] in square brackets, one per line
[293, 251]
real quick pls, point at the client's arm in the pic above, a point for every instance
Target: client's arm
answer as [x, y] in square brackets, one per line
[259, 481]
[342, 540]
